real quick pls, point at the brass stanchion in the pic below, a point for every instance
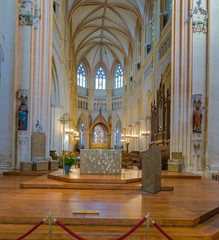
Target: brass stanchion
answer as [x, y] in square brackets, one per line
[50, 226]
[147, 226]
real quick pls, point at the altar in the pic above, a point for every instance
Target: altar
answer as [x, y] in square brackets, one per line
[99, 146]
[100, 162]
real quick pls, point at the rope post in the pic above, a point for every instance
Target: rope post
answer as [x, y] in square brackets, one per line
[147, 226]
[50, 226]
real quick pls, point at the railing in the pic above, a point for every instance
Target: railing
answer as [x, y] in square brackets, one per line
[146, 219]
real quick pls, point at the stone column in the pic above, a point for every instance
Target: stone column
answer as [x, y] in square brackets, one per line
[188, 80]
[26, 20]
[212, 89]
[199, 19]
[181, 84]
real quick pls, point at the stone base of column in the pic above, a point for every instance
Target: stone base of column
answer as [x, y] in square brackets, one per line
[5, 167]
[22, 148]
[53, 165]
[26, 166]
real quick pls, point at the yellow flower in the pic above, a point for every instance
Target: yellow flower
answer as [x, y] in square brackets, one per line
[69, 158]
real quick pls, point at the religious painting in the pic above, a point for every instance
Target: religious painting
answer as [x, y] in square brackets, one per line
[197, 119]
[23, 115]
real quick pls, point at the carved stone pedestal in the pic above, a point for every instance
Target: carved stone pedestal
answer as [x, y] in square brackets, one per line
[175, 165]
[40, 162]
[41, 166]
[151, 171]
[53, 165]
[26, 166]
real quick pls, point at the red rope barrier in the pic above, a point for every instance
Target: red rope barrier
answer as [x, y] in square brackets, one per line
[120, 238]
[162, 231]
[30, 231]
[133, 229]
[69, 231]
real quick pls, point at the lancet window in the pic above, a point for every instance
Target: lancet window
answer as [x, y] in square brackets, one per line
[81, 75]
[98, 134]
[100, 79]
[119, 77]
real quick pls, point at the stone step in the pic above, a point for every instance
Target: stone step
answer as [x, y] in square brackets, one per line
[208, 230]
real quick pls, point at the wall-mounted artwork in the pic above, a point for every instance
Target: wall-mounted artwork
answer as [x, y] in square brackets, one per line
[23, 115]
[197, 119]
[197, 113]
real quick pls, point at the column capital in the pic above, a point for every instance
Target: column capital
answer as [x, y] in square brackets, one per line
[22, 93]
[26, 15]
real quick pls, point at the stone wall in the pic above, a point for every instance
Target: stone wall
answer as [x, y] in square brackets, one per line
[103, 162]
[7, 93]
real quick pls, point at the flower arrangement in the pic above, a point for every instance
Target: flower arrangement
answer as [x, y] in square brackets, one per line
[69, 159]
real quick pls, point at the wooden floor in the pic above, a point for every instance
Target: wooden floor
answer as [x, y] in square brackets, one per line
[191, 211]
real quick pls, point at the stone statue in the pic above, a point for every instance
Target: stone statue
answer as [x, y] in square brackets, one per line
[38, 126]
[197, 119]
[22, 116]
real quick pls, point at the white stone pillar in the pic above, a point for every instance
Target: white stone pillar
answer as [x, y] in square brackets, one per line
[199, 19]
[181, 82]
[188, 80]
[212, 98]
[23, 86]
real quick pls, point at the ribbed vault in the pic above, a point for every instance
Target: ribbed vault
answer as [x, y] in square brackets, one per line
[103, 30]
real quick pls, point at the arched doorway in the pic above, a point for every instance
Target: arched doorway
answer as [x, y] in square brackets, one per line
[100, 133]
[80, 129]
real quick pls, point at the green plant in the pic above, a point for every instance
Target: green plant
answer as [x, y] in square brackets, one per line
[69, 158]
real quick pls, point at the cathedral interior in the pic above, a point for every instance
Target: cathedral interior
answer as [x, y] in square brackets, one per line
[109, 81]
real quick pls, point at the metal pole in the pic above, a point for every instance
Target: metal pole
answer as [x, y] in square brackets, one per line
[63, 164]
[50, 226]
[147, 226]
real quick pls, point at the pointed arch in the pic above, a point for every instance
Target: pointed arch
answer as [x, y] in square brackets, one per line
[84, 119]
[148, 103]
[55, 92]
[100, 78]
[118, 77]
[100, 120]
[81, 75]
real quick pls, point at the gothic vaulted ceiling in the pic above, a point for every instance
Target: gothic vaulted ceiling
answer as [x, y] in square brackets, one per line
[104, 30]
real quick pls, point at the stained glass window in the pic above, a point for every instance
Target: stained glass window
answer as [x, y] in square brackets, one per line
[82, 134]
[119, 77]
[100, 80]
[98, 134]
[81, 75]
[171, 5]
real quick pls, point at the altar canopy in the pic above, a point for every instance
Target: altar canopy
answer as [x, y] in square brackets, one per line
[100, 133]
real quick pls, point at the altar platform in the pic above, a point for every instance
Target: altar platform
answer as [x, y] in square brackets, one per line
[127, 176]
[191, 211]
[128, 180]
